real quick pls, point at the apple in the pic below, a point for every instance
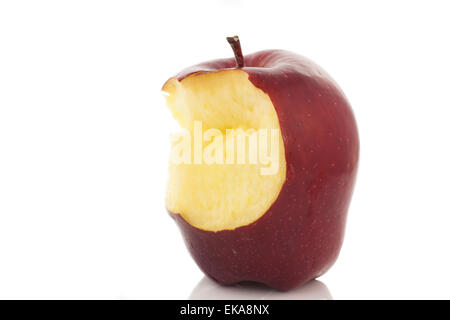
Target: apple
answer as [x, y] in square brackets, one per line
[283, 229]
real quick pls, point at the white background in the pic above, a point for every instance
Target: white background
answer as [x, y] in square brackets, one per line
[84, 141]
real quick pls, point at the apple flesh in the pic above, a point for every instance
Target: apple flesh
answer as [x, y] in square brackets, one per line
[292, 227]
[219, 196]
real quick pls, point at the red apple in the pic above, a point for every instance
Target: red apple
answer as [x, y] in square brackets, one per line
[296, 229]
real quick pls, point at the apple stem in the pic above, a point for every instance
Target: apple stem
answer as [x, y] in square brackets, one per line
[236, 46]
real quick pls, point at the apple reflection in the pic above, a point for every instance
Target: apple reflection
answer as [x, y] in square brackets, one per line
[207, 289]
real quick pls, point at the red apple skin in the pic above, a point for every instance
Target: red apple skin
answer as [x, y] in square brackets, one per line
[300, 236]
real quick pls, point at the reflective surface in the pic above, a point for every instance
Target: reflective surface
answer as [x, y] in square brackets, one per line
[209, 290]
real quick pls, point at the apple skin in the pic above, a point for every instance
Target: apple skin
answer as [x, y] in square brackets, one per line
[300, 236]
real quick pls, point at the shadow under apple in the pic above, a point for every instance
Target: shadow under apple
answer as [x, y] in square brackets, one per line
[207, 289]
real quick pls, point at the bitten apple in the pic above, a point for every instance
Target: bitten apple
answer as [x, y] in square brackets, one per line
[282, 229]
